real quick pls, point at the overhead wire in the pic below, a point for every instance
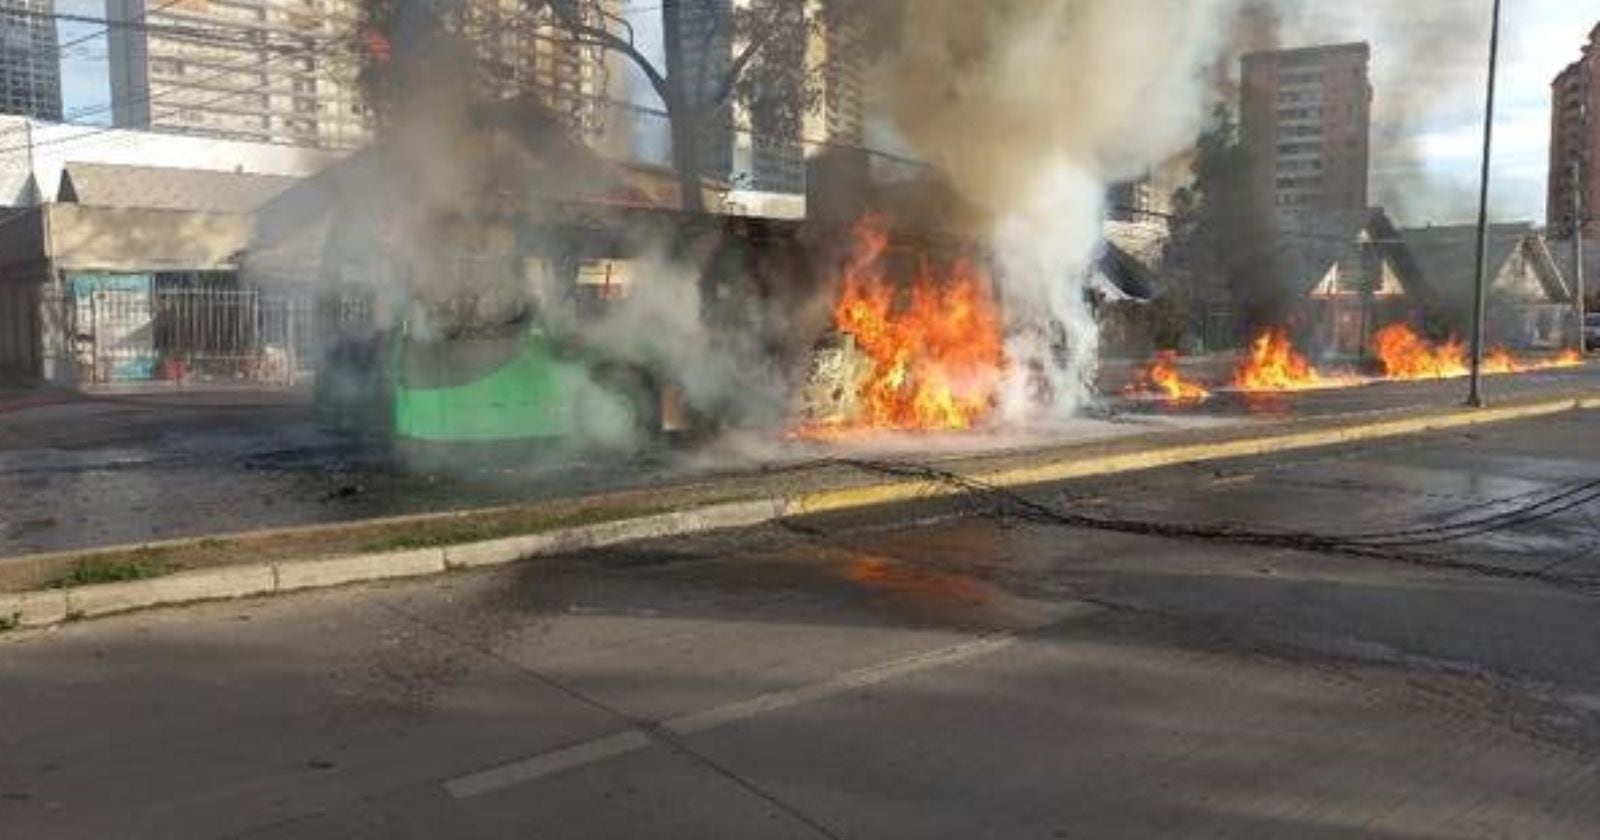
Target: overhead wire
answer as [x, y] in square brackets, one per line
[97, 130]
[106, 30]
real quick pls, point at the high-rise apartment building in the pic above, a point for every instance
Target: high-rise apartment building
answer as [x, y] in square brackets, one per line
[531, 55]
[1306, 117]
[1575, 141]
[704, 38]
[764, 148]
[840, 51]
[30, 61]
[278, 71]
[284, 71]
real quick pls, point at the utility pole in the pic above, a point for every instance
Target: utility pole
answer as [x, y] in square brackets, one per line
[1475, 396]
[1578, 285]
[35, 194]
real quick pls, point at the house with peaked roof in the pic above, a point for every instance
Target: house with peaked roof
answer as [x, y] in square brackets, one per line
[1561, 250]
[1367, 275]
[1352, 279]
[1528, 304]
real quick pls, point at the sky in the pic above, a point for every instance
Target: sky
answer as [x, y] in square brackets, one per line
[1429, 77]
[1429, 59]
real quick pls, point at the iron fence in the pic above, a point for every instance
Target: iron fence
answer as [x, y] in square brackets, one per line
[105, 334]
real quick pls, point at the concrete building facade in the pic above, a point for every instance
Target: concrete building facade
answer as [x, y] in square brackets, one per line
[285, 71]
[524, 55]
[274, 71]
[30, 61]
[1306, 118]
[1575, 140]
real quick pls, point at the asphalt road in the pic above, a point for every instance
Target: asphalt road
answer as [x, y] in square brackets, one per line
[113, 471]
[965, 669]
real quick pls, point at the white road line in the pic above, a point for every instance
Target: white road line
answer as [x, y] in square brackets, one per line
[527, 770]
[848, 681]
[633, 740]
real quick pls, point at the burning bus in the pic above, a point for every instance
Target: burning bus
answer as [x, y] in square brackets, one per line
[519, 290]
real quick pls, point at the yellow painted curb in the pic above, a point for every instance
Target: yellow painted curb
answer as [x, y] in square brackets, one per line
[872, 495]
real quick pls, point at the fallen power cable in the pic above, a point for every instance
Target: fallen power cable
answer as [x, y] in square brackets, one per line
[1539, 506]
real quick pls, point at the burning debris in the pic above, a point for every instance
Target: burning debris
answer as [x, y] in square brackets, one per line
[929, 352]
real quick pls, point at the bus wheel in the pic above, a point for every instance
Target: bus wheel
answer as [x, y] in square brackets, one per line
[638, 394]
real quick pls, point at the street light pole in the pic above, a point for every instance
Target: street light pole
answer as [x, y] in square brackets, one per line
[1577, 251]
[1475, 397]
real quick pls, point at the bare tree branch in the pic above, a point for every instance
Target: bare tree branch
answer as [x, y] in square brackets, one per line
[730, 82]
[567, 13]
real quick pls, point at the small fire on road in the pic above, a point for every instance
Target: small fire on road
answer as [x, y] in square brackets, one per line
[1404, 355]
[1272, 364]
[1161, 380]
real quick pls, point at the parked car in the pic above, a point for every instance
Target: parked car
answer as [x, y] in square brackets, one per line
[1591, 331]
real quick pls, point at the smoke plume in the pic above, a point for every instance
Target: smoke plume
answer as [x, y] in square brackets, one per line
[1035, 107]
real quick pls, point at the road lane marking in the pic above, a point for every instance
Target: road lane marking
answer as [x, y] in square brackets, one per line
[539, 766]
[848, 681]
[632, 740]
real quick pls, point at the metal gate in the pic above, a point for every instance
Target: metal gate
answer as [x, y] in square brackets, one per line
[125, 331]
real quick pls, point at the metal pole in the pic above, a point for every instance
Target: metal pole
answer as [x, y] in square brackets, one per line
[1475, 397]
[1580, 286]
[1577, 252]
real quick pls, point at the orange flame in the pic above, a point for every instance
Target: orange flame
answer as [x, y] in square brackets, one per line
[935, 348]
[1403, 354]
[1567, 358]
[1500, 360]
[1273, 365]
[1160, 378]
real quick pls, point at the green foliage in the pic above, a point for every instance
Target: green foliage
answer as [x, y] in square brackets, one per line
[139, 565]
[1222, 240]
[1170, 322]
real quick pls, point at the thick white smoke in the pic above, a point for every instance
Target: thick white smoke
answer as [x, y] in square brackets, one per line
[1035, 107]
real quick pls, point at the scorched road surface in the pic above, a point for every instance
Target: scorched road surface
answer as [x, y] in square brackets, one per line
[967, 669]
[92, 472]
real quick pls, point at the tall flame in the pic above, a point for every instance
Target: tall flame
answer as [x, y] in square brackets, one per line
[935, 346]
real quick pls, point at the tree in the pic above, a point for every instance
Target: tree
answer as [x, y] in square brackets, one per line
[1223, 242]
[716, 52]
[727, 65]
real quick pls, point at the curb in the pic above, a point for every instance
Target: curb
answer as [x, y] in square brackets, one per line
[831, 501]
[45, 607]
[39, 608]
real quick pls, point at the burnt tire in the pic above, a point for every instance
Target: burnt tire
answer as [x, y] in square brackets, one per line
[638, 392]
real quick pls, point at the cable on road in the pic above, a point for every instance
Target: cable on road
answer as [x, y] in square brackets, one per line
[1387, 545]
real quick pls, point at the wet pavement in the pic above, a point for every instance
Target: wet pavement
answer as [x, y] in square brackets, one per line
[115, 470]
[974, 667]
